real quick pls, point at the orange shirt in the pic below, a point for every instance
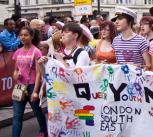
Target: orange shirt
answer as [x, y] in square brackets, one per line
[103, 55]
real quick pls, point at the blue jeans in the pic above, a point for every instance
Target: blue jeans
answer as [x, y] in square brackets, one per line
[18, 112]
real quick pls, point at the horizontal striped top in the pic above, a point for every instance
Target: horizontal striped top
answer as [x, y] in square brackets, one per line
[130, 50]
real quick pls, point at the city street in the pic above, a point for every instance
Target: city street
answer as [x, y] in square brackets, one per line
[30, 129]
[82, 68]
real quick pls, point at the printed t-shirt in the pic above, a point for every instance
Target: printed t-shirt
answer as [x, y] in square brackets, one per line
[23, 60]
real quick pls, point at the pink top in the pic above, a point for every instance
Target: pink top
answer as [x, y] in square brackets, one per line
[23, 59]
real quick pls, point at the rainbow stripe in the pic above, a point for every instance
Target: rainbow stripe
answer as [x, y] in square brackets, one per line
[81, 114]
[86, 117]
[82, 111]
[84, 114]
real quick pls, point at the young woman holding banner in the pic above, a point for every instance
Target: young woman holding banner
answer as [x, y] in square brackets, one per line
[72, 55]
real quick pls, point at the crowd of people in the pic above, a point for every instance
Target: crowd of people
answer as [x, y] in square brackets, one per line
[122, 40]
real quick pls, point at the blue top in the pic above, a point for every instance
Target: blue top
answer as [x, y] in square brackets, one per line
[9, 41]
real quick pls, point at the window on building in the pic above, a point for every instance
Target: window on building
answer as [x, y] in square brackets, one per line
[123, 1]
[27, 2]
[57, 1]
[37, 1]
[104, 1]
[101, 1]
[94, 1]
[146, 14]
[148, 2]
[49, 1]
[4, 2]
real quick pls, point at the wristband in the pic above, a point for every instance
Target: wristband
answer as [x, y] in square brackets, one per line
[35, 95]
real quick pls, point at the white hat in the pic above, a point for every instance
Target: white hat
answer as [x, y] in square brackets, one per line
[23, 19]
[61, 23]
[124, 10]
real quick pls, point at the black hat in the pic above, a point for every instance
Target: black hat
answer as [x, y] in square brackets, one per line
[94, 29]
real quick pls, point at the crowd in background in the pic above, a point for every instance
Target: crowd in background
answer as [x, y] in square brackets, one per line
[122, 40]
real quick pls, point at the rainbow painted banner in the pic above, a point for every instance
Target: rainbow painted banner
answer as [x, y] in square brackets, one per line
[103, 100]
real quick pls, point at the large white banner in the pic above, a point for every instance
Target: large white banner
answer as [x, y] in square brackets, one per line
[99, 101]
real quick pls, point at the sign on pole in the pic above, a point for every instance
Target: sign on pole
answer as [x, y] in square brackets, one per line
[83, 7]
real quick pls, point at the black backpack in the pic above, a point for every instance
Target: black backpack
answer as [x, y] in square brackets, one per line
[76, 54]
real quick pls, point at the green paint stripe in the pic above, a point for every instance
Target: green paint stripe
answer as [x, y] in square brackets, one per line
[86, 117]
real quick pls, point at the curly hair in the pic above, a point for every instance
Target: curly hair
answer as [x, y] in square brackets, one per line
[111, 27]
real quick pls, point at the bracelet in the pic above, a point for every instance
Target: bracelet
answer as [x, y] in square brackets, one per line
[35, 95]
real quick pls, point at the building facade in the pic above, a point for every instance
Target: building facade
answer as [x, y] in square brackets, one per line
[4, 11]
[40, 8]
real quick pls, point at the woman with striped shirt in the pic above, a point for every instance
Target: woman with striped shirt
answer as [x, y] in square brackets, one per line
[129, 47]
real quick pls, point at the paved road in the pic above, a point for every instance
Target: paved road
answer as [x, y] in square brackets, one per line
[30, 129]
